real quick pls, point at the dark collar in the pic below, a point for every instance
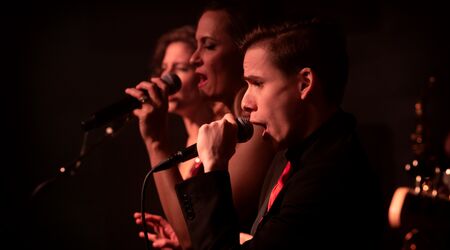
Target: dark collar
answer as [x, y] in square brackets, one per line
[339, 121]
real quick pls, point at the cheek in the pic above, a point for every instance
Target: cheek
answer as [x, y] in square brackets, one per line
[220, 62]
[212, 63]
[279, 113]
[279, 128]
[187, 78]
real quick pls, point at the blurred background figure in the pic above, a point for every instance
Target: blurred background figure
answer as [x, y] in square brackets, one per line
[172, 53]
[66, 59]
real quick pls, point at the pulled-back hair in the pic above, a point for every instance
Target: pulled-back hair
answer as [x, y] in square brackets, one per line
[316, 44]
[185, 34]
[243, 16]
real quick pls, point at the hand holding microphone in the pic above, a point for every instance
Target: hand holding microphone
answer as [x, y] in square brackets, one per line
[217, 142]
[167, 85]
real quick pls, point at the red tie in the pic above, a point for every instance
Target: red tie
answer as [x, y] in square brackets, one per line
[277, 188]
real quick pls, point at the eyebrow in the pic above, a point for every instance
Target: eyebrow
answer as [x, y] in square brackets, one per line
[251, 78]
[205, 38]
[181, 63]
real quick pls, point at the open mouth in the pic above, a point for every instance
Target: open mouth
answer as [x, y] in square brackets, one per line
[258, 124]
[203, 80]
[264, 126]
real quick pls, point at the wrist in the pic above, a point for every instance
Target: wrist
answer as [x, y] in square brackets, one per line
[215, 166]
[156, 146]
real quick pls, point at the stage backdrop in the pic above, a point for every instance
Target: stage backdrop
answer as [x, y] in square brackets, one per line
[67, 60]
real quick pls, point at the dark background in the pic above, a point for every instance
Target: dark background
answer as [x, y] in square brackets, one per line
[64, 61]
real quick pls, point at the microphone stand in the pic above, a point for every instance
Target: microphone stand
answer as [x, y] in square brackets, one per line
[69, 168]
[72, 167]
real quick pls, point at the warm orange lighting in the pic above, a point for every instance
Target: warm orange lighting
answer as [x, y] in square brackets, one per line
[109, 131]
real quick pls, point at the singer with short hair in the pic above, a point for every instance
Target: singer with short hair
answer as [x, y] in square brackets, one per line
[327, 196]
[228, 85]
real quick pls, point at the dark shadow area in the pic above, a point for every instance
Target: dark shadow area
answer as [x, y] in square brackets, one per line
[377, 140]
[67, 60]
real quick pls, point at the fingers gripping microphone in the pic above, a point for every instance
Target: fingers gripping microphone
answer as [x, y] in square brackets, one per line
[126, 105]
[244, 133]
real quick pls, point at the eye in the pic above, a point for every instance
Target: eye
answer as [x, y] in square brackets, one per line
[183, 67]
[254, 82]
[258, 83]
[209, 45]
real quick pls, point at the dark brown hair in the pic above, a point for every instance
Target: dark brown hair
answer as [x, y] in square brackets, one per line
[316, 44]
[185, 34]
[244, 16]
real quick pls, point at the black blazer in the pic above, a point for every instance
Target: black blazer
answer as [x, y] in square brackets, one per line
[332, 199]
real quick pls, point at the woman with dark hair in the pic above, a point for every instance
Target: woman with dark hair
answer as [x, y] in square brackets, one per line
[218, 64]
[172, 53]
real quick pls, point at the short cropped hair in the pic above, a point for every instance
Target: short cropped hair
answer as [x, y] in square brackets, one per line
[315, 43]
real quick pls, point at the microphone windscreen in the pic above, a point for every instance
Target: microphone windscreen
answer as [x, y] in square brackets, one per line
[245, 129]
[126, 105]
[173, 83]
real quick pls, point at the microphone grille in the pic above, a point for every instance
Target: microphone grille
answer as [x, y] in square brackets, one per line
[245, 129]
[173, 82]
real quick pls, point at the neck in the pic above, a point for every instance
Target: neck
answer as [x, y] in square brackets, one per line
[317, 116]
[230, 105]
[194, 120]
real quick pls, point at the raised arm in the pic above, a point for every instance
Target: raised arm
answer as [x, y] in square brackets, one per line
[155, 136]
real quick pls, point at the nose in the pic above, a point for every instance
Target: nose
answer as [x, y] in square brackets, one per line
[166, 71]
[248, 103]
[195, 59]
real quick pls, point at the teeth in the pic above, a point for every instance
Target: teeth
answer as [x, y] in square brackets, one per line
[202, 77]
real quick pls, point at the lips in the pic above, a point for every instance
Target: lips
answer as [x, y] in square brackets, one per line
[264, 132]
[203, 80]
[258, 123]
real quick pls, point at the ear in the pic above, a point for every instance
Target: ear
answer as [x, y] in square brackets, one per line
[305, 80]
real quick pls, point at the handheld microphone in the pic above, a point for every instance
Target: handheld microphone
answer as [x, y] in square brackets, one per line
[126, 105]
[245, 132]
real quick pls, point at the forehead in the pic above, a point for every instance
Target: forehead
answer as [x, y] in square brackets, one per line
[213, 22]
[178, 49]
[179, 46]
[257, 58]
